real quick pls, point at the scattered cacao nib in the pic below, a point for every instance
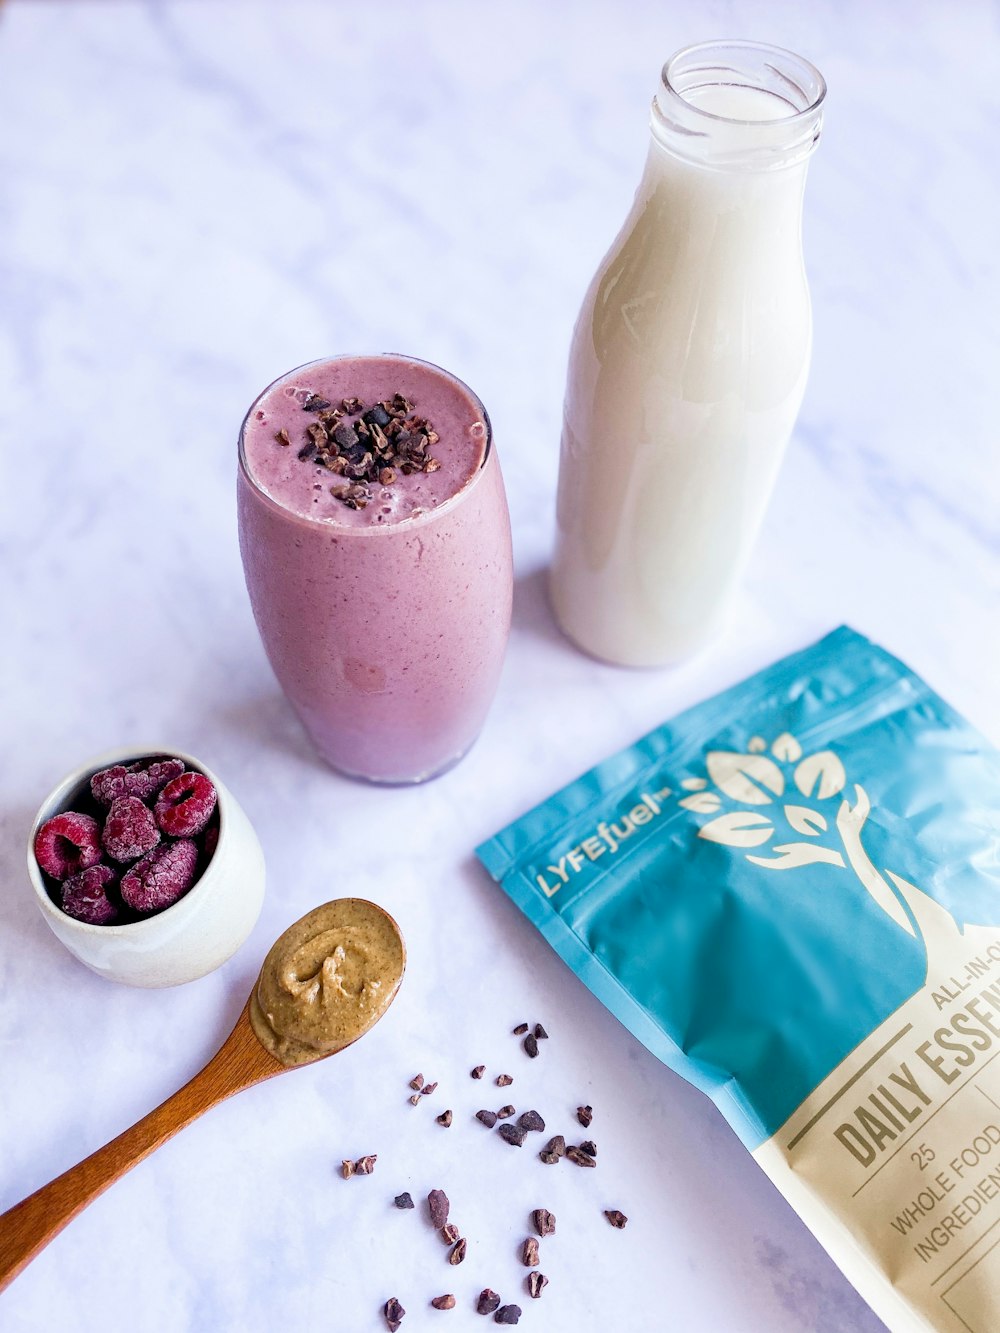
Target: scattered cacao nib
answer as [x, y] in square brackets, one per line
[458, 1253]
[404, 1200]
[399, 405]
[347, 1169]
[540, 1033]
[520, 1030]
[364, 1166]
[432, 465]
[505, 1112]
[507, 1314]
[536, 1281]
[580, 1157]
[512, 1134]
[616, 1218]
[557, 1145]
[428, 1088]
[438, 1205]
[444, 1119]
[443, 1302]
[585, 1115]
[504, 1080]
[307, 451]
[478, 1072]
[394, 1313]
[488, 1118]
[414, 1100]
[387, 476]
[317, 434]
[549, 1158]
[417, 1082]
[544, 1222]
[352, 405]
[488, 1301]
[530, 1044]
[531, 1121]
[450, 1233]
[314, 403]
[282, 437]
[529, 1253]
[589, 1147]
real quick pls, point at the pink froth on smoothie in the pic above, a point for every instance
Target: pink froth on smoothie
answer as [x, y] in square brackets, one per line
[378, 563]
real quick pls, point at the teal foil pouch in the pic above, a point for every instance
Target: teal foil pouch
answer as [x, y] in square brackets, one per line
[789, 894]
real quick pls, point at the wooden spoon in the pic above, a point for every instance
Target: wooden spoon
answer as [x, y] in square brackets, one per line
[239, 1063]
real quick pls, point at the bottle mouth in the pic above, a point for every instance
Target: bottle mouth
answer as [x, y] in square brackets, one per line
[739, 105]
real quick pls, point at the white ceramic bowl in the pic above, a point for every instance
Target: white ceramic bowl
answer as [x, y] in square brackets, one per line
[197, 933]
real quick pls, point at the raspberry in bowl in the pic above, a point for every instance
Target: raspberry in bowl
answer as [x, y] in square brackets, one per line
[146, 868]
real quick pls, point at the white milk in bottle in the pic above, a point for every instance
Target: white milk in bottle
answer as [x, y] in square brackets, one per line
[689, 359]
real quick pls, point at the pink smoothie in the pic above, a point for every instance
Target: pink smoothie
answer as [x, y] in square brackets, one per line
[383, 601]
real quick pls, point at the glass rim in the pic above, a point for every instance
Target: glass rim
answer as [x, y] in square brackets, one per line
[368, 529]
[779, 53]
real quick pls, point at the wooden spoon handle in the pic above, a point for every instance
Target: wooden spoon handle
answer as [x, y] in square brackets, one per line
[30, 1225]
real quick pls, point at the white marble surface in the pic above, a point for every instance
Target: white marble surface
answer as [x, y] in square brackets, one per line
[196, 197]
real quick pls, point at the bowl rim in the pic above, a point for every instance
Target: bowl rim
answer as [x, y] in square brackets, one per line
[50, 807]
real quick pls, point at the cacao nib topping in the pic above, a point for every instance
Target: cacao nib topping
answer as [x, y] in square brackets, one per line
[585, 1115]
[512, 1134]
[507, 1314]
[450, 1233]
[444, 1302]
[478, 1072]
[616, 1218]
[530, 1044]
[531, 1120]
[404, 1200]
[488, 1118]
[520, 1030]
[374, 446]
[544, 1222]
[529, 1253]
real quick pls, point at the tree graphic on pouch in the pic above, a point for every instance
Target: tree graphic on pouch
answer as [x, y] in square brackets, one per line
[756, 779]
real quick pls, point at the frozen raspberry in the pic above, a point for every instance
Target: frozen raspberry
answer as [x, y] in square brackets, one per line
[67, 844]
[161, 877]
[85, 896]
[210, 841]
[130, 829]
[144, 778]
[185, 805]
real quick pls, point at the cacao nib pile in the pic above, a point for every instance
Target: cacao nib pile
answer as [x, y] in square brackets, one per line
[364, 447]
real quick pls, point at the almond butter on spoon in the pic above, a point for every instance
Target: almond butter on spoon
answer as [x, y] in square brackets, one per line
[324, 983]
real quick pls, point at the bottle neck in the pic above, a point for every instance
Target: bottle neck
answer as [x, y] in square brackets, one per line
[738, 108]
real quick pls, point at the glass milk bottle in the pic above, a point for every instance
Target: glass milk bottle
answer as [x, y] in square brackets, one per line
[689, 359]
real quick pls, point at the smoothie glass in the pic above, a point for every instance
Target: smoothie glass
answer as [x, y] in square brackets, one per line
[385, 624]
